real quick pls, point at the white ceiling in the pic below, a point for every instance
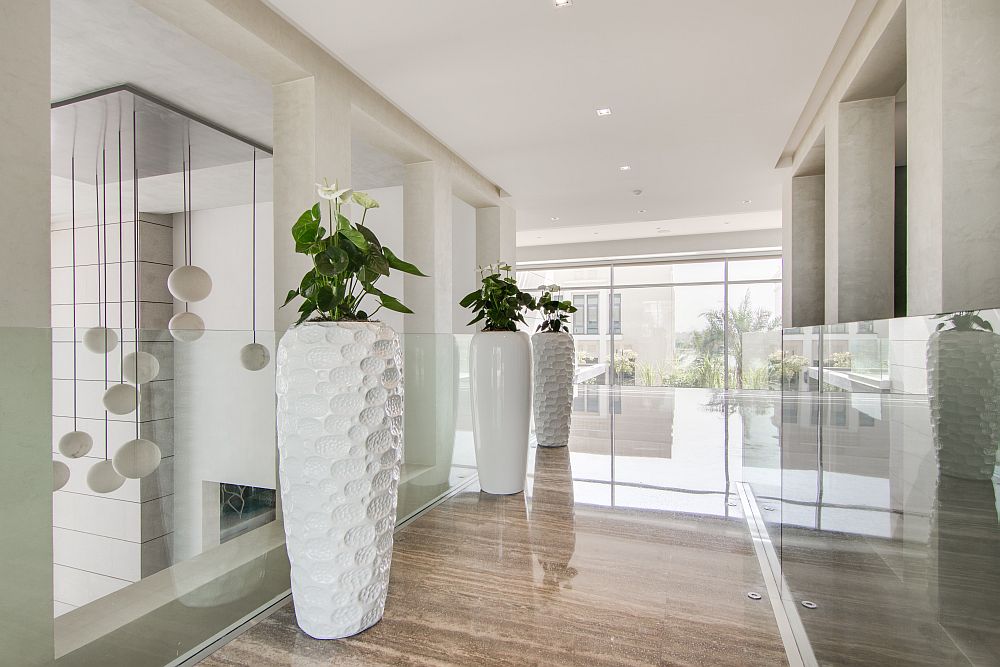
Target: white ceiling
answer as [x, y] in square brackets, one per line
[704, 94]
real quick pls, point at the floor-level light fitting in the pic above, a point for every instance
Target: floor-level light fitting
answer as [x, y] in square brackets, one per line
[103, 478]
[140, 367]
[186, 327]
[604, 111]
[60, 475]
[121, 399]
[137, 458]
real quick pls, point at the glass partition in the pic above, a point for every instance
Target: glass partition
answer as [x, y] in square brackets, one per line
[145, 571]
[884, 494]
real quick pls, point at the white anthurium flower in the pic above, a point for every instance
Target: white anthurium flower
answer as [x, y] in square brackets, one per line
[343, 195]
[327, 191]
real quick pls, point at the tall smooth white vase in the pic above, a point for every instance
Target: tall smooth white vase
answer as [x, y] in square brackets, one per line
[340, 425]
[554, 362]
[500, 369]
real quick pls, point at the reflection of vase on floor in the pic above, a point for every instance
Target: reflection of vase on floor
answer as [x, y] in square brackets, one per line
[965, 550]
[551, 519]
[964, 397]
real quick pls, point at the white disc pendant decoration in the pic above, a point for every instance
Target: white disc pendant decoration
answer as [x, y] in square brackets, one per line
[186, 327]
[189, 283]
[121, 399]
[140, 367]
[137, 458]
[100, 340]
[75, 444]
[254, 356]
[60, 475]
[103, 478]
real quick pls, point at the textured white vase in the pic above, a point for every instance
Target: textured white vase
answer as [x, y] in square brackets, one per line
[340, 424]
[500, 369]
[962, 388]
[554, 361]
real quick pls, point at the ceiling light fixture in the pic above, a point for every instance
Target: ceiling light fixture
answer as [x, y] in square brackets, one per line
[625, 167]
[604, 111]
[554, 218]
[642, 210]
[562, 3]
[637, 192]
[747, 201]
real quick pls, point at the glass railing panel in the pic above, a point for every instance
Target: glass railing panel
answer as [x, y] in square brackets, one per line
[889, 489]
[146, 571]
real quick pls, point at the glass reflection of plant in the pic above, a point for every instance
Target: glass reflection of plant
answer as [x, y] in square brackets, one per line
[963, 320]
[555, 313]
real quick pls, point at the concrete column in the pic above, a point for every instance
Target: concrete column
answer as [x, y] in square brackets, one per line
[803, 231]
[859, 215]
[496, 228]
[427, 236]
[312, 141]
[26, 361]
[953, 155]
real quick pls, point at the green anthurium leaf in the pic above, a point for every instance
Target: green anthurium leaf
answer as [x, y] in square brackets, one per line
[355, 237]
[305, 228]
[477, 318]
[315, 210]
[393, 304]
[377, 263]
[324, 297]
[342, 222]
[324, 266]
[307, 305]
[362, 315]
[400, 265]
[338, 258]
[292, 293]
[307, 281]
[468, 299]
[370, 237]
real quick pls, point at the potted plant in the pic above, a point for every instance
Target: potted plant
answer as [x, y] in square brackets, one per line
[500, 373]
[554, 362]
[340, 414]
[962, 389]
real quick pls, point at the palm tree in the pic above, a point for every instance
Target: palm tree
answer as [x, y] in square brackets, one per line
[743, 319]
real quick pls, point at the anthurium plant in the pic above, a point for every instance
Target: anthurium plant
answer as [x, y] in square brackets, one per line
[498, 300]
[347, 260]
[963, 320]
[555, 313]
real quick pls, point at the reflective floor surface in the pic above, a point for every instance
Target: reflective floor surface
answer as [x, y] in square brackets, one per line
[626, 548]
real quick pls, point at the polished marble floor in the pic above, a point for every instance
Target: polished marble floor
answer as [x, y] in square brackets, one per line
[627, 548]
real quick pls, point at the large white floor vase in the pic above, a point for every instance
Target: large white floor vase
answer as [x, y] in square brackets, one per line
[340, 425]
[964, 396]
[554, 362]
[500, 369]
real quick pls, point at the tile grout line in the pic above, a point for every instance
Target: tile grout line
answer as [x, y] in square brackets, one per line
[793, 635]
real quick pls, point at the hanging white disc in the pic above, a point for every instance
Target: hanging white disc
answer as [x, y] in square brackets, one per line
[254, 356]
[121, 399]
[189, 283]
[60, 475]
[137, 458]
[186, 327]
[140, 367]
[100, 340]
[75, 444]
[103, 478]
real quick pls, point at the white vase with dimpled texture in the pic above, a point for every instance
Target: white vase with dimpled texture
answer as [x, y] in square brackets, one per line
[554, 362]
[340, 425]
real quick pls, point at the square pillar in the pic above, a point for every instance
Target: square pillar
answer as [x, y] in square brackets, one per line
[859, 210]
[312, 141]
[953, 155]
[427, 235]
[804, 230]
[496, 240]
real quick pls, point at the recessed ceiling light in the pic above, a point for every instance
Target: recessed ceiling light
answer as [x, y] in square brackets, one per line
[604, 111]
[554, 218]
[562, 3]
[595, 233]
[625, 167]
[637, 192]
[747, 201]
[642, 210]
